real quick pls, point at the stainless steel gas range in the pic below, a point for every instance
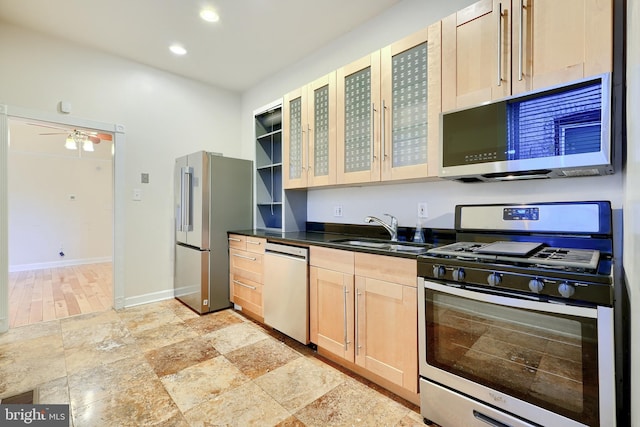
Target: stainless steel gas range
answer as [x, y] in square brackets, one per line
[516, 324]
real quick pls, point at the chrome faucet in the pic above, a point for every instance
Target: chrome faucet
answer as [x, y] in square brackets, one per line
[391, 228]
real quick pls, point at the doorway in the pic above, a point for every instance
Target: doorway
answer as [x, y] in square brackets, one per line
[118, 133]
[60, 221]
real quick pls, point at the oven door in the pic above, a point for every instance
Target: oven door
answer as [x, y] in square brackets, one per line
[552, 364]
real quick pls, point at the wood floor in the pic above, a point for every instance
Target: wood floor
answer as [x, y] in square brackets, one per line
[54, 293]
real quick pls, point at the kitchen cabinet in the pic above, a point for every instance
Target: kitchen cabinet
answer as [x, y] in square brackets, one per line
[246, 274]
[363, 314]
[492, 49]
[310, 134]
[388, 111]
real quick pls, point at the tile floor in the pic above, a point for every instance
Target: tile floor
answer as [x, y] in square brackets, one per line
[160, 364]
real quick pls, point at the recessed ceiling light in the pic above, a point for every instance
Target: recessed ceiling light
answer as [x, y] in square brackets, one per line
[209, 15]
[178, 49]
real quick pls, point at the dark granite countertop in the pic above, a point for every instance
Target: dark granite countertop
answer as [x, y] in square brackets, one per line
[335, 236]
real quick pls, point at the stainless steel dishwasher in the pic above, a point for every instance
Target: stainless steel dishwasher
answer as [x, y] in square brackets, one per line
[286, 290]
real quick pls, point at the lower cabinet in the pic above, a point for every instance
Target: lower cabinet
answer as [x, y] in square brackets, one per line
[363, 311]
[246, 274]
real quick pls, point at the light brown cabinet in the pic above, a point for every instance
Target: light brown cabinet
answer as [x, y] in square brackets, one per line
[246, 274]
[310, 134]
[388, 111]
[492, 49]
[363, 311]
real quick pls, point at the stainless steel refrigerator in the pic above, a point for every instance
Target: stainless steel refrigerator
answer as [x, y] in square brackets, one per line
[213, 194]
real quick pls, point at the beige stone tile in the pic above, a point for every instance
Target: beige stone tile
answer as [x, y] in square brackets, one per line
[145, 405]
[106, 380]
[261, 357]
[203, 381]
[213, 321]
[247, 405]
[55, 392]
[299, 383]
[138, 321]
[235, 336]
[352, 403]
[412, 419]
[32, 331]
[161, 336]
[29, 363]
[175, 357]
[95, 335]
[87, 321]
[182, 311]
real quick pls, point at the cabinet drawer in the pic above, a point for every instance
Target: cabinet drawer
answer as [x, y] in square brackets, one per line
[255, 244]
[247, 294]
[331, 259]
[237, 241]
[403, 271]
[246, 264]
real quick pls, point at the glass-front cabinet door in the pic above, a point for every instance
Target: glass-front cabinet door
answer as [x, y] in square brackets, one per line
[410, 106]
[358, 121]
[321, 168]
[295, 138]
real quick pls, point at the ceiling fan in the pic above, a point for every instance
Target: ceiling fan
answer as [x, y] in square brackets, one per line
[81, 135]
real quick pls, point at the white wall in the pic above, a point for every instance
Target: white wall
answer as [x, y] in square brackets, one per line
[59, 203]
[164, 116]
[632, 198]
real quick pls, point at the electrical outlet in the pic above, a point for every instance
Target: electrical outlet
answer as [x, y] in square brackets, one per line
[137, 194]
[422, 210]
[337, 210]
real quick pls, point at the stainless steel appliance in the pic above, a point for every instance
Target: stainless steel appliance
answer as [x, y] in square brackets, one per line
[516, 324]
[557, 132]
[213, 194]
[286, 290]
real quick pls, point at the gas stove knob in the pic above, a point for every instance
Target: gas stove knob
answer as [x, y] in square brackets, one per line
[438, 271]
[536, 285]
[458, 274]
[566, 290]
[494, 279]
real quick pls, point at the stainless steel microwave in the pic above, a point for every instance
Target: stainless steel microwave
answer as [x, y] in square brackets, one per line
[558, 132]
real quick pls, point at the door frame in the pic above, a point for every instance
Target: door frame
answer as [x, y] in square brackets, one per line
[118, 131]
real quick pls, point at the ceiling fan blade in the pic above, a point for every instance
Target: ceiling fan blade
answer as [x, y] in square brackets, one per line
[104, 136]
[94, 139]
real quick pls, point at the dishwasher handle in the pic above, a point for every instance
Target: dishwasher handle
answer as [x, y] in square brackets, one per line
[296, 252]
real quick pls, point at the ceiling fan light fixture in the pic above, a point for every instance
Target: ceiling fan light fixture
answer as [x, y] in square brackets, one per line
[178, 49]
[70, 143]
[87, 145]
[209, 15]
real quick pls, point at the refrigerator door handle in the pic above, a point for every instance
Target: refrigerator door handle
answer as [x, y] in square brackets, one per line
[185, 202]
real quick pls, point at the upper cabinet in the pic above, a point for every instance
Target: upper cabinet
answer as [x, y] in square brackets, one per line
[493, 48]
[310, 134]
[388, 109]
[410, 105]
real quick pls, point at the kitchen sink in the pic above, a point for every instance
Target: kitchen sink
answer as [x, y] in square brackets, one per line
[384, 245]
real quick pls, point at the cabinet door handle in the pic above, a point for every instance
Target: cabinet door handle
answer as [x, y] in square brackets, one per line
[520, 41]
[233, 239]
[373, 132]
[245, 257]
[383, 130]
[308, 148]
[346, 342]
[302, 132]
[244, 285]
[357, 325]
[499, 44]
[253, 243]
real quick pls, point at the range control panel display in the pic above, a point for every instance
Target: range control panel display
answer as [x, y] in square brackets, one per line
[519, 214]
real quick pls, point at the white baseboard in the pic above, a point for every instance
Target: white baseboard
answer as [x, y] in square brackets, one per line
[55, 264]
[148, 298]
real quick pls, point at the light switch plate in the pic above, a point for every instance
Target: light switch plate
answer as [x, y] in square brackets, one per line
[137, 194]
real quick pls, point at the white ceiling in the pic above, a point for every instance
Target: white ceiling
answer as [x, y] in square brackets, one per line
[252, 40]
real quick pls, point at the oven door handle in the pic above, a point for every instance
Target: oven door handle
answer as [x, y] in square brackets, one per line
[546, 307]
